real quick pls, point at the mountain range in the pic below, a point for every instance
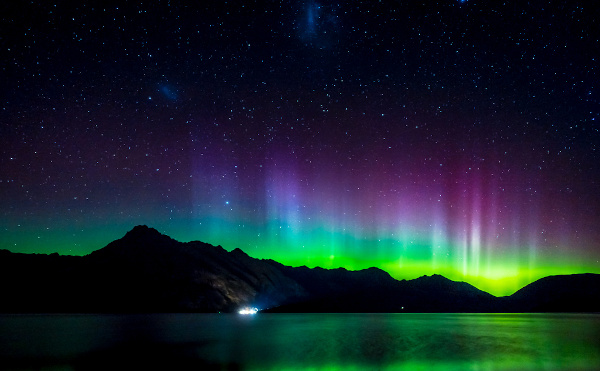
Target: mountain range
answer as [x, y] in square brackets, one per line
[146, 271]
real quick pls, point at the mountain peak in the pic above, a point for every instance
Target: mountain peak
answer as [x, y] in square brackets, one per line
[142, 230]
[143, 233]
[140, 238]
[433, 278]
[239, 252]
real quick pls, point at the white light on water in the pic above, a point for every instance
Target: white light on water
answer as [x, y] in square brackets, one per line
[248, 311]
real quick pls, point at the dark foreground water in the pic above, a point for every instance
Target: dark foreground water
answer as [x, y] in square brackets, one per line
[430, 342]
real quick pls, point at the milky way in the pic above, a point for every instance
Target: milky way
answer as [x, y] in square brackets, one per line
[458, 137]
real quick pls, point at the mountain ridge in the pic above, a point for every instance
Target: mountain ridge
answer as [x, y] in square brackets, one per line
[146, 271]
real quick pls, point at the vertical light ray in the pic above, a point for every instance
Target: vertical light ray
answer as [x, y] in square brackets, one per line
[438, 240]
[534, 234]
[475, 224]
[282, 199]
[464, 246]
[491, 239]
[462, 229]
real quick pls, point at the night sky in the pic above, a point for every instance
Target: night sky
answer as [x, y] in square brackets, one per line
[451, 137]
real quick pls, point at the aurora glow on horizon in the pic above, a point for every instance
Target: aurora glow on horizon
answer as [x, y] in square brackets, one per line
[454, 138]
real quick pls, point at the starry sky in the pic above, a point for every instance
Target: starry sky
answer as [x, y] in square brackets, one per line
[451, 137]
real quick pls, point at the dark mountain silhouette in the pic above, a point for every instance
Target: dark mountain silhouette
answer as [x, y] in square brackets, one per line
[146, 271]
[374, 290]
[565, 293]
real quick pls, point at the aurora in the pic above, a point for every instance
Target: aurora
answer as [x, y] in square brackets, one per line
[461, 139]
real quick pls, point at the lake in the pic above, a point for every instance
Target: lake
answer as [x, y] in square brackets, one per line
[477, 342]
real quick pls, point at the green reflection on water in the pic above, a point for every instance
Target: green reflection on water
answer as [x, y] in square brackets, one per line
[416, 342]
[437, 342]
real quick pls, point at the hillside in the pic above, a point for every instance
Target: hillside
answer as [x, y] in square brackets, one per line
[146, 271]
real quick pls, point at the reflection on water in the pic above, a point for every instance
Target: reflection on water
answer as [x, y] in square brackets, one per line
[474, 342]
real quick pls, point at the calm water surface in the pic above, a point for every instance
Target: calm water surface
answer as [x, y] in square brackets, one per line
[483, 342]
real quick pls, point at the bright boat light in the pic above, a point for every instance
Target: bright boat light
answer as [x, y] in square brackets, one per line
[248, 311]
